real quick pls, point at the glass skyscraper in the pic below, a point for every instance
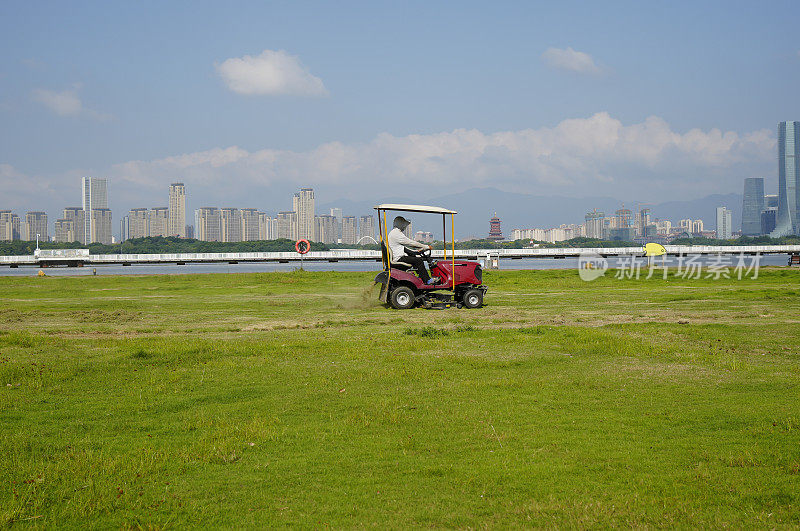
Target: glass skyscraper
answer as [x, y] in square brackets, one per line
[752, 206]
[787, 222]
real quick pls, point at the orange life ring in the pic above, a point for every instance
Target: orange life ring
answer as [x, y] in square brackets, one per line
[306, 247]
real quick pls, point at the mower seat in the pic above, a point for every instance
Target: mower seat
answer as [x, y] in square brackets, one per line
[402, 266]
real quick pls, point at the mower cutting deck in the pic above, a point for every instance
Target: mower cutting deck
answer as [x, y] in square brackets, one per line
[460, 281]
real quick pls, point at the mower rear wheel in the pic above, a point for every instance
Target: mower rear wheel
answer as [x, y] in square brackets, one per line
[402, 298]
[473, 298]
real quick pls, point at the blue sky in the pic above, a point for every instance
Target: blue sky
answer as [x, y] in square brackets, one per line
[636, 100]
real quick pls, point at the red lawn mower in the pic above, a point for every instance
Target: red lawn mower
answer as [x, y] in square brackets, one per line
[402, 289]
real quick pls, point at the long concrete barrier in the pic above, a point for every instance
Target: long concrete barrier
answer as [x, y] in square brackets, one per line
[81, 257]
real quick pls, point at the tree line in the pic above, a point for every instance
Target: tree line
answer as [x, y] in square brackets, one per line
[159, 245]
[162, 245]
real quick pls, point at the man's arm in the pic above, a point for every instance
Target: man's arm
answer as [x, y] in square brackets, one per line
[408, 243]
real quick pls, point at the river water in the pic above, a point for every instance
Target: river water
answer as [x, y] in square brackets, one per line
[172, 269]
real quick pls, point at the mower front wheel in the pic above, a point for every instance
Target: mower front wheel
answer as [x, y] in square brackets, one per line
[473, 298]
[402, 298]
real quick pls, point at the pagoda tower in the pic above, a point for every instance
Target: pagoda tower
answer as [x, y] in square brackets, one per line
[495, 233]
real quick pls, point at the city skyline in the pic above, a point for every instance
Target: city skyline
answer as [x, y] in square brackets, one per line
[662, 226]
[233, 224]
[761, 214]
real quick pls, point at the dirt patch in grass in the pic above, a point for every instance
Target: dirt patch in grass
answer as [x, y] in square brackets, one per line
[284, 324]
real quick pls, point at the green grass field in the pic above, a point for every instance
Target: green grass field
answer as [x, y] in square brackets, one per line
[295, 399]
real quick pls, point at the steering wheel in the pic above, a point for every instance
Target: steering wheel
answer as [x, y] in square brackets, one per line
[425, 254]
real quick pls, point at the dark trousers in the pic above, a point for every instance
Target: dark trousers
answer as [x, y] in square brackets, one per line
[419, 266]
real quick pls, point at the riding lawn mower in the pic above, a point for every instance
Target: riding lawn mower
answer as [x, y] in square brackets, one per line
[460, 281]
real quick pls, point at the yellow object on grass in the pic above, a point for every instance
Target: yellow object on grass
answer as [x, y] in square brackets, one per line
[654, 249]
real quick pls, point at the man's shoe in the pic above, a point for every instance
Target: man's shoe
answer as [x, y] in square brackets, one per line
[433, 280]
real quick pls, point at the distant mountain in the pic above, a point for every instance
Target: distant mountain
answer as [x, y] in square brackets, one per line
[476, 206]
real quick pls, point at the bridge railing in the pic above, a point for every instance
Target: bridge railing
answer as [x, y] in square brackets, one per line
[83, 256]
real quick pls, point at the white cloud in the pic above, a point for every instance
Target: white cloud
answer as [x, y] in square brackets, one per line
[593, 156]
[584, 156]
[66, 103]
[270, 73]
[570, 59]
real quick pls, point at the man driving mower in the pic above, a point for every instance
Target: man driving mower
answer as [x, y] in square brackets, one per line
[399, 244]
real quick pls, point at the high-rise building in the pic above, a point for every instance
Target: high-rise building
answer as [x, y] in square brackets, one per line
[138, 226]
[770, 214]
[305, 213]
[326, 230]
[287, 225]
[16, 227]
[207, 224]
[594, 224]
[94, 194]
[190, 231]
[425, 237]
[642, 221]
[158, 222]
[788, 222]
[528, 234]
[337, 213]
[250, 224]
[409, 230]
[624, 218]
[622, 234]
[723, 224]
[78, 217]
[36, 223]
[366, 229]
[230, 225]
[768, 218]
[266, 227]
[6, 227]
[663, 226]
[124, 232]
[771, 201]
[752, 206]
[697, 226]
[65, 231]
[349, 230]
[100, 222]
[177, 210]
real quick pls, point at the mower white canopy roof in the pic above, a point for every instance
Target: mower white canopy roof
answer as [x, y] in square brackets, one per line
[415, 208]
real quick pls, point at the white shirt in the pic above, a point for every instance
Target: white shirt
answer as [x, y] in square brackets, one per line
[399, 241]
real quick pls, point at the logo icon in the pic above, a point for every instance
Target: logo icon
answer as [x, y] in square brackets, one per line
[591, 266]
[654, 249]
